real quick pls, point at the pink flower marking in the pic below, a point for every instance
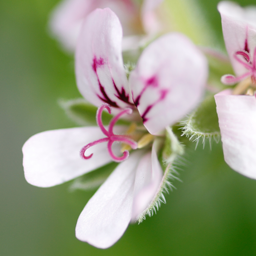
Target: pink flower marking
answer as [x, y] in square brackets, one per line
[97, 63]
[163, 94]
[246, 45]
[111, 137]
[104, 97]
[120, 94]
[153, 82]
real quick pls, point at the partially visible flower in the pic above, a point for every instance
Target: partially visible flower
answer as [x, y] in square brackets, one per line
[67, 18]
[237, 108]
[166, 84]
[151, 23]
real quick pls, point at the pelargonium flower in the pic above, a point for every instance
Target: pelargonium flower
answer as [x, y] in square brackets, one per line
[166, 84]
[236, 108]
[67, 18]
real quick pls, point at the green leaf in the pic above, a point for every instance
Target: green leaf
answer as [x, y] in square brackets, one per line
[203, 122]
[82, 112]
[94, 178]
[189, 18]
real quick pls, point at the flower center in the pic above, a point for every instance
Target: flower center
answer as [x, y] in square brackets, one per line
[248, 78]
[110, 136]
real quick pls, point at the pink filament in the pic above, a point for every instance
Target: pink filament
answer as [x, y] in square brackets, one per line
[247, 59]
[115, 119]
[111, 137]
[90, 145]
[98, 118]
[246, 62]
[254, 60]
[230, 79]
[245, 55]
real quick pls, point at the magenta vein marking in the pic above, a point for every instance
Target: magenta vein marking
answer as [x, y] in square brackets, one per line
[246, 45]
[105, 98]
[151, 82]
[162, 96]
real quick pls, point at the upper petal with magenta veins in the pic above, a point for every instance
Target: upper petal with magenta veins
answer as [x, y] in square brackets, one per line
[100, 74]
[168, 81]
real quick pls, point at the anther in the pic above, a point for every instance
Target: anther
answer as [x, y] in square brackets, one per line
[125, 147]
[131, 128]
[249, 92]
[145, 140]
[242, 86]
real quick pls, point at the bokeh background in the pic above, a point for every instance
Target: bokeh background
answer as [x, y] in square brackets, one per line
[212, 211]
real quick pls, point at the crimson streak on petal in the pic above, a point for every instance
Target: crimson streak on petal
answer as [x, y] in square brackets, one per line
[163, 94]
[153, 82]
[121, 94]
[104, 97]
[246, 46]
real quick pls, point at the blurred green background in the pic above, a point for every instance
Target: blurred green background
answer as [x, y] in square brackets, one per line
[212, 212]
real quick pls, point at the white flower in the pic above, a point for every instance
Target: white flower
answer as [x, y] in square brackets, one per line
[166, 84]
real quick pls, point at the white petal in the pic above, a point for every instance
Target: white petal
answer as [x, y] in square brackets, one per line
[168, 81]
[238, 125]
[147, 183]
[53, 157]
[108, 213]
[67, 18]
[239, 31]
[99, 65]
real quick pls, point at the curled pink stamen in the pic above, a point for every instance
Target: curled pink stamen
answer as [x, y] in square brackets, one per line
[126, 140]
[99, 116]
[115, 119]
[246, 62]
[230, 79]
[114, 157]
[90, 145]
[111, 137]
[245, 55]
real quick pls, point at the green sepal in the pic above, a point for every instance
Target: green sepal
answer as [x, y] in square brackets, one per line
[203, 122]
[93, 179]
[82, 112]
[172, 146]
